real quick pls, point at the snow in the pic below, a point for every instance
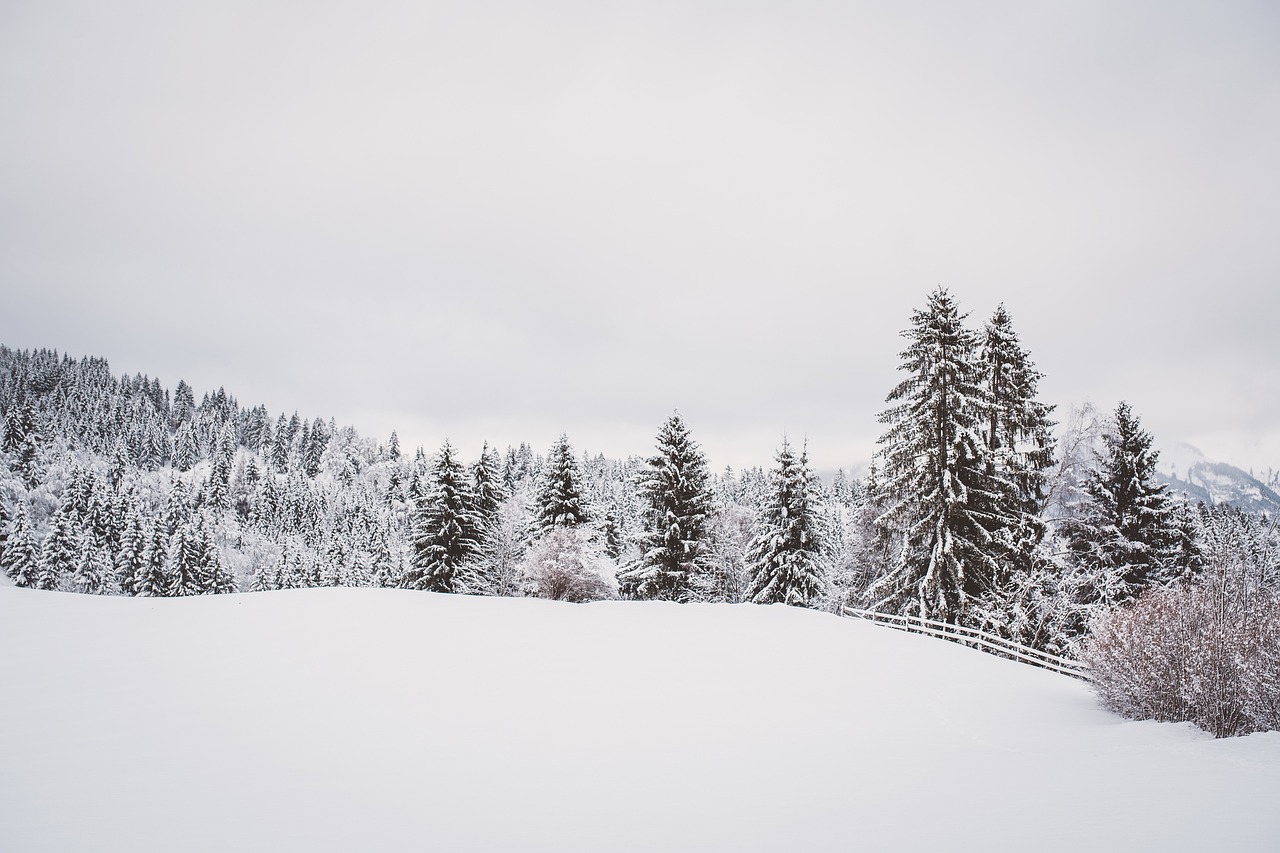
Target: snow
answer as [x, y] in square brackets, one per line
[348, 719]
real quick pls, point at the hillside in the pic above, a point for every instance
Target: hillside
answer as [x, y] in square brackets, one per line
[366, 719]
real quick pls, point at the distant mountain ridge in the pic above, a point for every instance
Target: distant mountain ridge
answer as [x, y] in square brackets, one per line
[1213, 482]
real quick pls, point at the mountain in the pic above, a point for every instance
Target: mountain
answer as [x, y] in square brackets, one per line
[376, 719]
[1184, 469]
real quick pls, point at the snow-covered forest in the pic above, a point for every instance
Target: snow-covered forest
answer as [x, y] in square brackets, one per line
[984, 506]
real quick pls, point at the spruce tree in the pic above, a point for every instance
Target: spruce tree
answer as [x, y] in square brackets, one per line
[92, 573]
[185, 567]
[784, 558]
[154, 579]
[1127, 530]
[60, 551]
[559, 501]
[445, 532]
[1018, 431]
[487, 487]
[677, 502]
[21, 557]
[1019, 449]
[130, 560]
[943, 498]
[186, 448]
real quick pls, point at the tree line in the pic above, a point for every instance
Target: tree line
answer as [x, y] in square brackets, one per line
[978, 508]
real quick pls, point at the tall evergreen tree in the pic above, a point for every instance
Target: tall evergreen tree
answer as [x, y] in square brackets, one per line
[943, 497]
[92, 574]
[784, 558]
[445, 532]
[60, 550]
[487, 487]
[1128, 529]
[154, 580]
[130, 560]
[677, 497]
[560, 502]
[1019, 448]
[185, 567]
[21, 557]
[1018, 431]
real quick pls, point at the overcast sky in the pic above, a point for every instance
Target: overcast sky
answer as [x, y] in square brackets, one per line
[505, 220]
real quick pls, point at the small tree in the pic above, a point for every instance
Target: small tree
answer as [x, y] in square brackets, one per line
[566, 564]
[445, 532]
[21, 558]
[1126, 530]
[784, 558]
[674, 542]
[60, 552]
[560, 502]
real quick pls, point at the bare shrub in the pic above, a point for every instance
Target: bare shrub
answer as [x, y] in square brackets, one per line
[1208, 653]
[567, 564]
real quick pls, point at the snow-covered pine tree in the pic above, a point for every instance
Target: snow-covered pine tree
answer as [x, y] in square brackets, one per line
[21, 558]
[1127, 530]
[942, 496]
[784, 559]
[487, 488]
[445, 532]
[559, 502]
[674, 541]
[186, 447]
[130, 560]
[1018, 431]
[1019, 449]
[177, 511]
[92, 574]
[215, 576]
[60, 550]
[185, 558]
[154, 580]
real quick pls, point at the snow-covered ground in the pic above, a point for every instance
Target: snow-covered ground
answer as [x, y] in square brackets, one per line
[371, 720]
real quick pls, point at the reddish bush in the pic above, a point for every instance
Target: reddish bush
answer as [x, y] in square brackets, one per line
[1207, 653]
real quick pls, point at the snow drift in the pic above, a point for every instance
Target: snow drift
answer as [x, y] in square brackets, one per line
[355, 719]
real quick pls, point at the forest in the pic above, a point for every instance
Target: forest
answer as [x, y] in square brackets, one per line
[983, 507]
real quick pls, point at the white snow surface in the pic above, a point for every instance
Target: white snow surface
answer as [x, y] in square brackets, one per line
[349, 719]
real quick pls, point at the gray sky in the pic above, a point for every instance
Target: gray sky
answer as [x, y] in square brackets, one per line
[503, 220]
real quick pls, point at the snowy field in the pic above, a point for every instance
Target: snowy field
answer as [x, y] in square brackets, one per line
[371, 720]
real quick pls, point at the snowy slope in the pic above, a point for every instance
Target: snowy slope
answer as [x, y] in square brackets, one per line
[345, 719]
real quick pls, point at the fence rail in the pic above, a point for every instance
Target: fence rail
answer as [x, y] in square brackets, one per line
[975, 638]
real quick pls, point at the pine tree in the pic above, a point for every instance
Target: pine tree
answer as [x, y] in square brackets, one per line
[60, 551]
[218, 487]
[488, 490]
[784, 558]
[1018, 431]
[92, 574]
[186, 447]
[943, 496]
[154, 580]
[445, 532]
[393, 447]
[185, 567]
[1127, 530]
[677, 499]
[1019, 448]
[21, 558]
[213, 574]
[130, 561]
[559, 502]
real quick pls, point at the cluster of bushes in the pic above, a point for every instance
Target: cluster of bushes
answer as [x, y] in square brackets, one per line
[1205, 652]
